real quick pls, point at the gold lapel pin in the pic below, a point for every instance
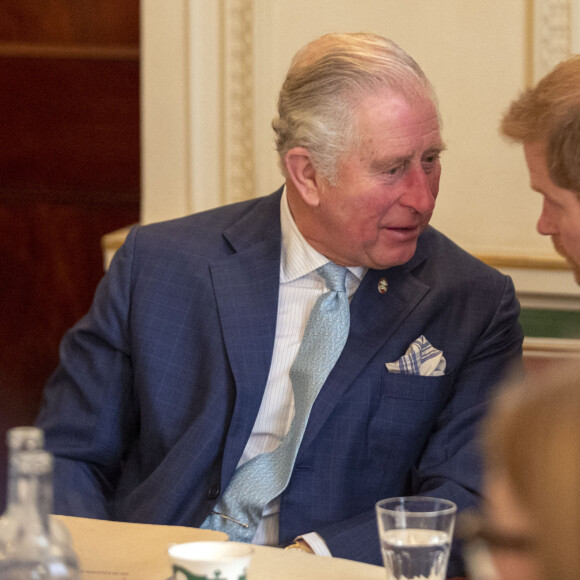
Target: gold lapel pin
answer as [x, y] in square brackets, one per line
[383, 285]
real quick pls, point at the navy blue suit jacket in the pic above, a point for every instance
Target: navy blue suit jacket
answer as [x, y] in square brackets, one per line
[160, 383]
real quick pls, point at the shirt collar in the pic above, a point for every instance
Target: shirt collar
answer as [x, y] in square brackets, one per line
[299, 258]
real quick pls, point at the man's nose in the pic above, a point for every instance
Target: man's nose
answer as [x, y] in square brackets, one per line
[546, 224]
[419, 193]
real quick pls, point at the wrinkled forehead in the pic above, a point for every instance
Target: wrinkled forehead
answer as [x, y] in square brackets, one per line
[418, 97]
[391, 111]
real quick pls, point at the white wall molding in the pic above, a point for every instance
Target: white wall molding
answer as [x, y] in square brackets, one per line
[545, 289]
[239, 155]
[204, 83]
[552, 34]
[165, 123]
[575, 26]
[197, 105]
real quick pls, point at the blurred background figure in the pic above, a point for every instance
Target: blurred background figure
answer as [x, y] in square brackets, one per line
[530, 525]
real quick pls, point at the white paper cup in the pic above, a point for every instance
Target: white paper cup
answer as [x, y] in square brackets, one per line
[210, 560]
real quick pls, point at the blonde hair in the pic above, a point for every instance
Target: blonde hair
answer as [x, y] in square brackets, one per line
[550, 112]
[532, 437]
[326, 80]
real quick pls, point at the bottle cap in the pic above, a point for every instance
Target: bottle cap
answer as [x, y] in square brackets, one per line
[25, 438]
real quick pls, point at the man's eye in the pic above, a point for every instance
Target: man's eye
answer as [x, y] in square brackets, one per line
[429, 161]
[396, 170]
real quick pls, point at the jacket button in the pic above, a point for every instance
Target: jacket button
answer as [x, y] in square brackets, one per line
[214, 491]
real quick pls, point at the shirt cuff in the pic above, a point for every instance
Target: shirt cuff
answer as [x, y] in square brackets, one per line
[316, 543]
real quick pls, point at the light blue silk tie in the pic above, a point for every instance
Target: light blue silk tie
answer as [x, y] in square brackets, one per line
[265, 476]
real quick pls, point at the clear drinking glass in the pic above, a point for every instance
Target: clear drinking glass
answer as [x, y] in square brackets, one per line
[415, 534]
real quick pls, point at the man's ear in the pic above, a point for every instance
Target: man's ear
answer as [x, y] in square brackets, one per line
[303, 175]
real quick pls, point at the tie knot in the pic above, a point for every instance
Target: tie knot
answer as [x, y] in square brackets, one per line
[334, 276]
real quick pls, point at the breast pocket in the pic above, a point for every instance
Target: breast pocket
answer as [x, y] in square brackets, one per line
[416, 387]
[406, 414]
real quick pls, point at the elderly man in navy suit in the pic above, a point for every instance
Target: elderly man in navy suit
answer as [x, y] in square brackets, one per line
[180, 373]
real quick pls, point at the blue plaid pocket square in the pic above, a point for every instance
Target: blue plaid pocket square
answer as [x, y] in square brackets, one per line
[421, 358]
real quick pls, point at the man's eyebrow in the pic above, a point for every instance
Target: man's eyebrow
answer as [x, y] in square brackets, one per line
[437, 148]
[381, 165]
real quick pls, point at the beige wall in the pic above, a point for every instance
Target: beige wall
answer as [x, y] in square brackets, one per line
[211, 72]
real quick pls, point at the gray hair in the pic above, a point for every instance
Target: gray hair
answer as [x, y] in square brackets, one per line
[326, 80]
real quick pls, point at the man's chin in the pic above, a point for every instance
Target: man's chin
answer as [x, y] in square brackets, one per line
[573, 265]
[575, 271]
[395, 259]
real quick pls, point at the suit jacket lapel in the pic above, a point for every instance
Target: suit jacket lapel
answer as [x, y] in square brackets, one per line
[375, 317]
[246, 285]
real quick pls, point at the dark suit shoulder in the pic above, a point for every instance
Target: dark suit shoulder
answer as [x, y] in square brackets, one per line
[438, 256]
[202, 234]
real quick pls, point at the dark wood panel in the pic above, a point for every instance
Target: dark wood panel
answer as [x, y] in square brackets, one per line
[52, 51]
[51, 263]
[70, 125]
[70, 21]
[69, 173]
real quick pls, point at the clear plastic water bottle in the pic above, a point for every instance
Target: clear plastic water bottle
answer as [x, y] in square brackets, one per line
[24, 439]
[29, 438]
[19, 439]
[29, 548]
